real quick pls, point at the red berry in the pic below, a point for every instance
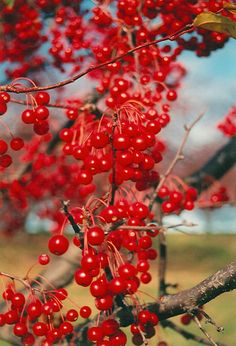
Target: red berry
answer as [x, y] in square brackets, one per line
[4, 97]
[11, 317]
[66, 328]
[186, 319]
[95, 334]
[28, 340]
[34, 309]
[95, 235]
[58, 244]
[2, 320]
[41, 127]
[127, 271]
[83, 278]
[109, 327]
[17, 143]
[18, 300]
[76, 241]
[42, 98]
[72, 315]
[85, 311]
[61, 293]
[41, 113]
[40, 328]
[43, 259]
[119, 339]
[171, 95]
[20, 329]
[5, 160]
[3, 147]
[3, 107]
[104, 303]
[28, 116]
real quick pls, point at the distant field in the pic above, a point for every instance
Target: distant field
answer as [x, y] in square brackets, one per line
[191, 259]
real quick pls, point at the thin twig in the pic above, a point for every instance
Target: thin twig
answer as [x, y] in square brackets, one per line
[197, 321]
[74, 225]
[12, 88]
[211, 321]
[162, 263]
[179, 156]
[187, 335]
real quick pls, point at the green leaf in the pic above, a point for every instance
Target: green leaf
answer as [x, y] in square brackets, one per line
[215, 22]
[230, 7]
[10, 3]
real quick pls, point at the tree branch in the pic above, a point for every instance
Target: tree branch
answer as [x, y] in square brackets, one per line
[224, 280]
[14, 89]
[215, 168]
[187, 335]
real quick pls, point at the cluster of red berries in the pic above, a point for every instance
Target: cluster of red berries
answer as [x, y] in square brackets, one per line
[38, 116]
[71, 31]
[4, 99]
[214, 198]
[187, 318]
[176, 200]
[106, 272]
[16, 143]
[19, 42]
[31, 316]
[228, 125]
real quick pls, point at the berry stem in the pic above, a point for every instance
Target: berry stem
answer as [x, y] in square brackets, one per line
[11, 88]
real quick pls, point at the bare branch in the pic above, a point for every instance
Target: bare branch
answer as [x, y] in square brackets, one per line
[197, 321]
[14, 89]
[187, 335]
[70, 218]
[178, 156]
[215, 168]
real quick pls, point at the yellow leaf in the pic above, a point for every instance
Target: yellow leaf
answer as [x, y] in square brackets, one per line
[230, 7]
[215, 22]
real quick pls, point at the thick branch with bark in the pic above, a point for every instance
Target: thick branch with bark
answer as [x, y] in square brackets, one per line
[215, 168]
[224, 280]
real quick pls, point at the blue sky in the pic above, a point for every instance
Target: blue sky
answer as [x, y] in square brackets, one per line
[210, 86]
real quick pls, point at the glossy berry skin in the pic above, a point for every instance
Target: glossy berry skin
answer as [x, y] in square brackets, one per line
[85, 311]
[3, 147]
[11, 317]
[40, 328]
[2, 320]
[42, 98]
[58, 244]
[118, 339]
[17, 143]
[72, 315]
[127, 270]
[20, 329]
[104, 303]
[34, 309]
[95, 334]
[186, 319]
[66, 328]
[95, 236]
[18, 300]
[3, 108]
[5, 160]
[110, 327]
[61, 293]
[83, 278]
[43, 259]
[28, 116]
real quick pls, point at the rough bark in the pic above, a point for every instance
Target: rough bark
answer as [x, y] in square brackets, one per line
[215, 168]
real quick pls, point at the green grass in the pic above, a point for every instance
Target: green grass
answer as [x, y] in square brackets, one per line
[190, 260]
